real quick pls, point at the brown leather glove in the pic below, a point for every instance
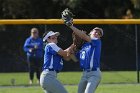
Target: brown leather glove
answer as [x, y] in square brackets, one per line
[67, 17]
[77, 41]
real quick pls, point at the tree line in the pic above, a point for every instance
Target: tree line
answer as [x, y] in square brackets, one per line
[21, 9]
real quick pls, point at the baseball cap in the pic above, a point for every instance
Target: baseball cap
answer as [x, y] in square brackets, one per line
[50, 33]
[100, 29]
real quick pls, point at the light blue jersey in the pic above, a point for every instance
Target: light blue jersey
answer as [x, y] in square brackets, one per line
[89, 55]
[51, 58]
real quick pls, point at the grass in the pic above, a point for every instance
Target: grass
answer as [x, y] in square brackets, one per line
[103, 88]
[107, 77]
[71, 77]
[112, 82]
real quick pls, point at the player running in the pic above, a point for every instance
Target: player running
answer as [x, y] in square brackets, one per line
[89, 55]
[53, 64]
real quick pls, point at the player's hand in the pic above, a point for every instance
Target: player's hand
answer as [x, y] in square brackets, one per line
[36, 47]
[67, 17]
[31, 50]
[70, 50]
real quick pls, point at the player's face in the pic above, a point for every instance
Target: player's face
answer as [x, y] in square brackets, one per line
[34, 33]
[53, 39]
[95, 34]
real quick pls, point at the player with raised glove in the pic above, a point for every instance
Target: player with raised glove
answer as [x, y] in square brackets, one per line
[89, 57]
[67, 17]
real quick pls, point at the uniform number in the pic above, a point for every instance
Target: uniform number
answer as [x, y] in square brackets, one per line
[83, 55]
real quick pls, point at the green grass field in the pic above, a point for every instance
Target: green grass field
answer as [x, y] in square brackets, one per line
[103, 88]
[112, 82]
[71, 77]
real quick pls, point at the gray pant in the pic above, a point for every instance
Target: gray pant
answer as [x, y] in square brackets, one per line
[50, 84]
[89, 81]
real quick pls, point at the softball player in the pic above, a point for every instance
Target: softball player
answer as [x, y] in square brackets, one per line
[52, 64]
[89, 57]
[34, 48]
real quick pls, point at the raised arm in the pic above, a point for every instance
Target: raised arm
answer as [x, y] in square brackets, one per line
[80, 33]
[67, 17]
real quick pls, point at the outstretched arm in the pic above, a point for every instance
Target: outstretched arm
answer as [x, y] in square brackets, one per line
[57, 50]
[80, 33]
[67, 17]
[67, 52]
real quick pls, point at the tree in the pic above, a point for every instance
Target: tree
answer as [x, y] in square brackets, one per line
[15, 9]
[102, 8]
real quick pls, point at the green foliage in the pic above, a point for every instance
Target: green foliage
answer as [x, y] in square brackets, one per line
[15, 9]
[103, 8]
[53, 8]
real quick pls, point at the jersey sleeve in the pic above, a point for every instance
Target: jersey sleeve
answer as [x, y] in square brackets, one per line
[27, 45]
[55, 47]
[52, 48]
